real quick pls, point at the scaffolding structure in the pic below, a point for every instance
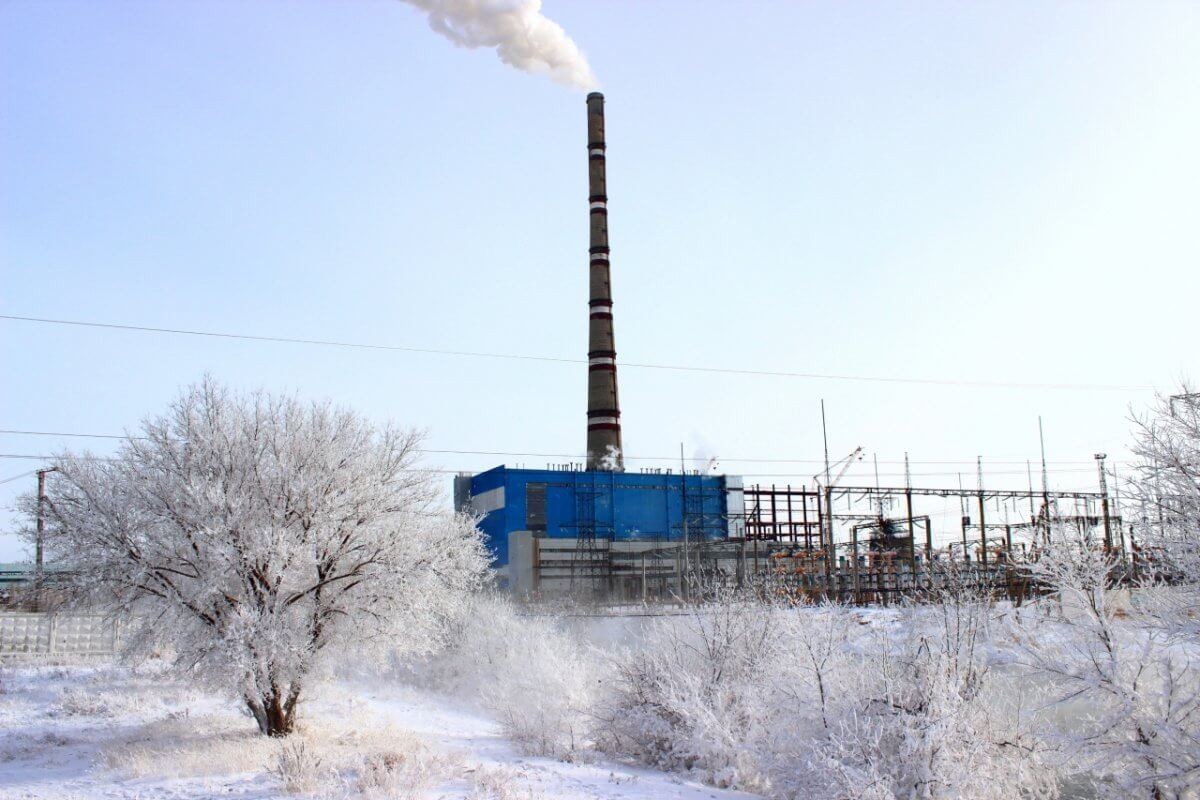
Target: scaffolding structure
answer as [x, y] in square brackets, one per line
[591, 564]
[784, 514]
[862, 553]
[858, 544]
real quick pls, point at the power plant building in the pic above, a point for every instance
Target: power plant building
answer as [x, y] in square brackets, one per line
[548, 529]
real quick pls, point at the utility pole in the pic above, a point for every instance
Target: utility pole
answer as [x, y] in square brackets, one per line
[1045, 481]
[829, 551]
[825, 439]
[982, 522]
[1104, 502]
[928, 528]
[39, 567]
[912, 530]
[879, 504]
[966, 520]
[1029, 474]
[687, 561]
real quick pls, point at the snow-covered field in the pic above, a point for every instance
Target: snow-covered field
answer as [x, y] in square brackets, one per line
[106, 731]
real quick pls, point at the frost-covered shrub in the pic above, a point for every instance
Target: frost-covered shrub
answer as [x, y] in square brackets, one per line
[807, 702]
[500, 783]
[924, 717]
[392, 764]
[299, 768]
[85, 702]
[911, 705]
[537, 678]
[692, 696]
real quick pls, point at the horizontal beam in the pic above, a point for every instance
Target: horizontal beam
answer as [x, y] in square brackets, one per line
[1024, 494]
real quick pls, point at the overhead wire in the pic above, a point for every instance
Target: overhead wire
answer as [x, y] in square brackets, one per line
[434, 451]
[35, 457]
[46, 457]
[18, 477]
[566, 360]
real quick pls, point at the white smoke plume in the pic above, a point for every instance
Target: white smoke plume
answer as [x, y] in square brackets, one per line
[522, 37]
[704, 457]
[611, 460]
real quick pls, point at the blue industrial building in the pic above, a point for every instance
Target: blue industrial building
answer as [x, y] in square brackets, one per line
[612, 506]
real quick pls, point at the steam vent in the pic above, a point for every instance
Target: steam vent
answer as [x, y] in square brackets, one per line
[604, 451]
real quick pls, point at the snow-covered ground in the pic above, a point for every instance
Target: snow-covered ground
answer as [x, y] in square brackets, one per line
[104, 731]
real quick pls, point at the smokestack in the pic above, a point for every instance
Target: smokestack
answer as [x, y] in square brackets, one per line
[604, 412]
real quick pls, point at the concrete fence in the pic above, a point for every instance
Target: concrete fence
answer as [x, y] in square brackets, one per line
[33, 634]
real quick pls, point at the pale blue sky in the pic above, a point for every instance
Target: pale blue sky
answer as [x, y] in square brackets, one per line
[974, 191]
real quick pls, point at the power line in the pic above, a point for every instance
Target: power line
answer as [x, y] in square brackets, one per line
[44, 457]
[73, 435]
[33, 457]
[18, 477]
[10, 432]
[563, 360]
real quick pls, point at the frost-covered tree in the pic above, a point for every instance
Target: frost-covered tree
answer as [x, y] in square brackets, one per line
[1166, 483]
[255, 536]
[1122, 667]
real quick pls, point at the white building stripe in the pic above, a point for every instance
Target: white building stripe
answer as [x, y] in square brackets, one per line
[485, 502]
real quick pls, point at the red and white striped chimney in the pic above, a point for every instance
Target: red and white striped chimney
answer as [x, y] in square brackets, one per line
[604, 411]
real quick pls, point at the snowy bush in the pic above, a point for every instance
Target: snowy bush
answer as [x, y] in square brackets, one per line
[808, 702]
[691, 697]
[490, 783]
[299, 769]
[404, 767]
[86, 702]
[535, 677]
[1124, 667]
[922, 714]
[258, 535]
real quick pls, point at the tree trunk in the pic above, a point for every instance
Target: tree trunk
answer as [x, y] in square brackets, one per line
[275, 715]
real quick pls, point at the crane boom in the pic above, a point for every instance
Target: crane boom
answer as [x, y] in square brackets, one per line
[844, 463]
